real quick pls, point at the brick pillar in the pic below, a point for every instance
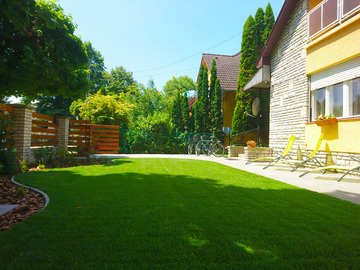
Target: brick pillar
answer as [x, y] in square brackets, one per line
[22, 127]
[62, 123]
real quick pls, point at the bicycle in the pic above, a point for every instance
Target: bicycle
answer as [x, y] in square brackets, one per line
[192, 145]
[209, 147]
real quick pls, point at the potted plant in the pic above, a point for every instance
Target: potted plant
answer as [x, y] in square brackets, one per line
[251, 143]
[325, 120]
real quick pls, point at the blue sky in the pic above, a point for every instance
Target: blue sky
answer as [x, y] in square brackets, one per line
[149, 38]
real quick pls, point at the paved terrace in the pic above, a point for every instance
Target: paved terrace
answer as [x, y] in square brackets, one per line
[326, 184]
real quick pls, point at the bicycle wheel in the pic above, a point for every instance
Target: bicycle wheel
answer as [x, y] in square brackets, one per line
[198, 149]
[191, 148]
[217, 149]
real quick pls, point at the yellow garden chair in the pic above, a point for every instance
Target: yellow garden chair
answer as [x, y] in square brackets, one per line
[308, 158]
[337, 167]
[275, 159]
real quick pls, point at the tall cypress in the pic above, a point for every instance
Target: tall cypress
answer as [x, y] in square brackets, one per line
[269, 22]
[213, 78]
[176, 113]
[249, 54]
[216, 113]
[259, 28]
[185, 112]
[205, 109]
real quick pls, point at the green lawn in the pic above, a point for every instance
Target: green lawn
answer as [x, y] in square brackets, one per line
[179, 214]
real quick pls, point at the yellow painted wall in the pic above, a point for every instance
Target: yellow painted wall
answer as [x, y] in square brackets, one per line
[228, 107]
[341, 137]
[314, 3]
[338, 45]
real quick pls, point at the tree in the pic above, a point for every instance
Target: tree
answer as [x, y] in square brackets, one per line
[39, 51]
[54, 105]
[269, 23]
[216, 114]
[103, 109]
[185, 113]
[119, 80]
[181, 84]
[249, 55]
[259, 28]
[202, 105]
[213, 78]
[96, 66]
[176, 114]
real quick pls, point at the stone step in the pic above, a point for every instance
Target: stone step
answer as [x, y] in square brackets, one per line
[241, 156]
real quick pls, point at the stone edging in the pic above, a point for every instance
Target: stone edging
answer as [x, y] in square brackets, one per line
[47, 199]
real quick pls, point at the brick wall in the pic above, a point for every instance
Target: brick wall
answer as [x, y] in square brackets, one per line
[289, 94]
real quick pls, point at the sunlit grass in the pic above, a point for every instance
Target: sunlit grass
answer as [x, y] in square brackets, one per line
[179, 214]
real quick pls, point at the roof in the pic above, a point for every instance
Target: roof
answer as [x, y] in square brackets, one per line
[227, 68]
[285, 12]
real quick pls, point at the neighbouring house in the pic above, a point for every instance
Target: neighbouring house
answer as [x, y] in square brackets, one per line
[311, 65]
[228, 73]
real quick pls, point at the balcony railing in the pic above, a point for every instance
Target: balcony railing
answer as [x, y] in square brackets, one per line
[330, 13]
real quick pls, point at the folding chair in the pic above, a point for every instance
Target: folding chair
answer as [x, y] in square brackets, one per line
[337, 167]
[275, 159]
[308, 158]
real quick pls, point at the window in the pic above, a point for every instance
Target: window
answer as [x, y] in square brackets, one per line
[329, 13]
[342, 100]
[336, 99]
[354, 88]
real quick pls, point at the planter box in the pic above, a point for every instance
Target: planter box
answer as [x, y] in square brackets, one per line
[251, 144]
[258, 152]
[326, 122]
[234, 151]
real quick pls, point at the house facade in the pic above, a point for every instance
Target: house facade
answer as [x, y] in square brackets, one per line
[227, 73]
[311, 65]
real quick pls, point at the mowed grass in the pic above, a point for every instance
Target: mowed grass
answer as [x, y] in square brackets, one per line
[179, 214]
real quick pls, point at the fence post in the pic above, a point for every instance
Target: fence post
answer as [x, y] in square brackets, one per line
[62, 123]
[22, 127]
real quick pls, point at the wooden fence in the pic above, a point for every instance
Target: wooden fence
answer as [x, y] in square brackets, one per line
[43, 130]
[91, 138]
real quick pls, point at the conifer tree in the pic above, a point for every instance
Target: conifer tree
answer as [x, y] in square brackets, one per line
[216, 113]
[249, 55]
[259, 28]
[269, 23]
[176, 113]
[213, 78]
[185, 113]
[205, 109]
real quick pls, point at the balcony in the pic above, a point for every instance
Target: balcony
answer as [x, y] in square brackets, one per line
[330, 13]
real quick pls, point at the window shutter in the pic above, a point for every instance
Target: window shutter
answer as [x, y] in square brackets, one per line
[339, 73]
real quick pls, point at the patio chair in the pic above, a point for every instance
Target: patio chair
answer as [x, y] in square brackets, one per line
[337, 167]
[308, 158]
[275, 159]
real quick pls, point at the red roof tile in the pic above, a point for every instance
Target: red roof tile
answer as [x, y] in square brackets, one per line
[227, 68]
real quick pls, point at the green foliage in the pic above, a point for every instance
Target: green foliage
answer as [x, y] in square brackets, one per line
[52, 106]
[213, 78]
[259, 28]
[176, 114]
[249, 54]
[181, 84]
[52, 157]
[202, 106]
[96, 66]
[119, 81]
[8, 157]
[21, 191]
[216, 115]
[104, 109]
[269, 22]
[185, 113]
[23, 165]
[39, 51]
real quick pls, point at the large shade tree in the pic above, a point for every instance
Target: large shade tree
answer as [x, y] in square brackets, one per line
[39, 52]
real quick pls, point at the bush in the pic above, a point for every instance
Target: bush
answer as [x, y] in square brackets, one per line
[9, 161]
[50, 156]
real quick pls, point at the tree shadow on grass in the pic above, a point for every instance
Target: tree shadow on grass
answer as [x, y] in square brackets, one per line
[137, 220]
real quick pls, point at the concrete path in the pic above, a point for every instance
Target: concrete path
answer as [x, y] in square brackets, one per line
[7, 208]
[317, 182]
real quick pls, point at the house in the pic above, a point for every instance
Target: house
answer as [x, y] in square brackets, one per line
[227, 73]
[311, 65]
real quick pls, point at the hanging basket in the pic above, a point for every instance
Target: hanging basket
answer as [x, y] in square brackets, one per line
[326, 122]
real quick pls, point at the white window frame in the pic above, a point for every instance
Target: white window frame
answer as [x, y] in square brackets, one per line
[347, 105]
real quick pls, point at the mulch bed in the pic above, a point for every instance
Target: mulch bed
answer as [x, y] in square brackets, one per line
[30, 202]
